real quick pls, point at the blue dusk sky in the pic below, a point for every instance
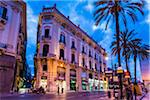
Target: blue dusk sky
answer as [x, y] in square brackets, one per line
[81, 13]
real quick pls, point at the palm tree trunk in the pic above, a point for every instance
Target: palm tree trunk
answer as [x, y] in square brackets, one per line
[126, 60]
[117, 33]
[135, 75]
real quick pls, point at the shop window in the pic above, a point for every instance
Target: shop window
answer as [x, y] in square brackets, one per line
[44, 67]
[46, 33]
[45, 49]
[72, 79]
[61, 54]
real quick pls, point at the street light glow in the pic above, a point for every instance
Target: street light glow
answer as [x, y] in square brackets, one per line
[106, 58]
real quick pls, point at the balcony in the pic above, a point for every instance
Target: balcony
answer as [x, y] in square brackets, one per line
[61, 58]
[83, 52]
[48, 55]
[90, 55]
[3, 21]
[3, 46]
[73, 48]
[46, 39]
[62, 43]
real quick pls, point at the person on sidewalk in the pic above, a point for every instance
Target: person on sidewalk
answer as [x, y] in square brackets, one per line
[58, 90]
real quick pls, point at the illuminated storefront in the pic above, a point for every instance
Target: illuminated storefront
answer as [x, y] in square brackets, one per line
[43, 82]
[84, 81]
[72, 79]
[91, 82]
[61, 82]
[96, 82]
[101, 85]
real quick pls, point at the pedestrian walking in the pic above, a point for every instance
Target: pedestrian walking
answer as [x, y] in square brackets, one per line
[62, 90]
[58, 90]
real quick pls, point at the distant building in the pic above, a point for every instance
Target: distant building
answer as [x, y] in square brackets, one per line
[13, 39]
[145, 71]
[66, 57]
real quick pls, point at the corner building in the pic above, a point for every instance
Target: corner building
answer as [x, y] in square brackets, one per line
[66, 57]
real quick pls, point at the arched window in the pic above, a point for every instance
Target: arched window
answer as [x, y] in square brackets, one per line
[45, 49]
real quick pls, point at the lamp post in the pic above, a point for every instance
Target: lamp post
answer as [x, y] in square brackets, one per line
[120, 72]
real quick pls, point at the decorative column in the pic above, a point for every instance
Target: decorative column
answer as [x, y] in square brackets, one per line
[79, 84]
[67, 77]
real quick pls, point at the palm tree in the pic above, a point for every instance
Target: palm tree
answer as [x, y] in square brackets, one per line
[125, 38]
[138, 50]
[116, 10]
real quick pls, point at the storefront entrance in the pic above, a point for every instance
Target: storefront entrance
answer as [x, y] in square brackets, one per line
[43, 82]
[72, 79]
[61, 81]
[84, 81]
[91, 82]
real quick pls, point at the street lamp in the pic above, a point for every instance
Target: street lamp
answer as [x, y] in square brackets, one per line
[120, 72]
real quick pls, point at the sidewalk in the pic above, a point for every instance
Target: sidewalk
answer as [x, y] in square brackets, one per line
[145, 96]
[9, 94]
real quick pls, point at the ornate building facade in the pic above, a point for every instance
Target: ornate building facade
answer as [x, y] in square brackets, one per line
[66, 57]
[13, 38]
